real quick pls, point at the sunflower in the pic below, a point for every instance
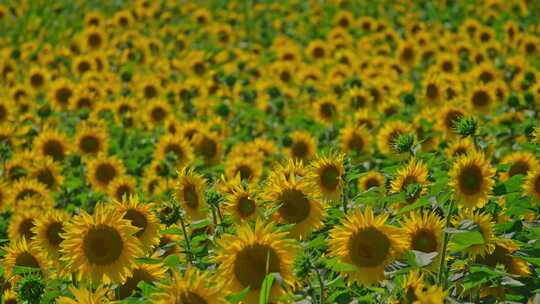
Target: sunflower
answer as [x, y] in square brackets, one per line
[6, 109]
[407, 53]
[414, 173]
[101, 247]
[94, 38]
[47, 172]
[460, 147]
[209, 146]
[61, 94]
[432, 90]
[103, 170]
[364, 118]
[356, 140]
[326, 174]
[8, 295]
[367, 243]
[121, 186]
[248, 168]
[242, 202]
[38, 78]
[295, 205]
[177, 146]
[326, 110]
[317, 50]
[248, 256]
[532, 184]
[23, 254]
[148, 273]
[358, 98]
[157, 111]
[389, 133]
[193, 286]
[520, 162]
[370, 180]
[471, 177]
[189, 193]
[48, 229]
[149, 88]
[303, 146]
[503, 255]
[82, 64]
[30, 189]
[52, 143]
[424, 231]
[22, 223]
[141, 216]
[483, 224]
[448, 117]
[431, 295]
[412, 287]
[481, 98]
[83, 295]
[91, 140]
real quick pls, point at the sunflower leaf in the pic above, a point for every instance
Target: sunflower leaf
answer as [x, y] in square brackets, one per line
[424, 258]
[464, 240]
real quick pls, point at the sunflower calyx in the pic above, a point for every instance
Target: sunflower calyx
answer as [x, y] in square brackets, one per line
[169, 214]
[404, 143]
[30, 289]
[466, 126]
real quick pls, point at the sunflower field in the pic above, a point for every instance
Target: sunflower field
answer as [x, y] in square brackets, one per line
[257, 151]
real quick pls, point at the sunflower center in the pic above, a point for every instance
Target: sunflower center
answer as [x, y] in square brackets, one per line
[37, 80]
[470, 180]
[537, 184]
[102, 245]
[356, 143]
[499, 256]
[123, 190]
[480, 98]
[245, 172]
[26, 193]
[358, 102]
[451, 118]
[191, 197]
[372, 182]
[176, 150]
[54, 149]
[246, 206]
[137, 219]
[208, 148]
[330, 177]
[318, 52]
[190, 297]
[253, 263]
[25, 229]
[46, 177]
[447, 66]
[407, 54]
[90, 144]
[424, 240]
[158, 114]
[328, 110]
[486, 76]
[94, 40]
[26, 259]
[295, 206]
[53, 234]
[83, 67]
[300, 149]
[105, 173]
[63, 95]
[519, 167]
[368, 247]
[139, 275]
[150, 92]
[432, 91]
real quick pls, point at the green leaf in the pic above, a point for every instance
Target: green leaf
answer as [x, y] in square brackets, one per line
[421, 202]
[237, 297]
[424, 258]
[173, 230]
[464, 240]
[172, 261]
[266, 288]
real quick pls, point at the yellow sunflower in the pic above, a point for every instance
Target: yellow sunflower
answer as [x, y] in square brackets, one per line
[209, 146]
[176, 145]
[22, 223]
[503, 255]
[303, 146]
[389, 133]
[249, 169]
[148, 273]
[415, 172]
[52, 143]
[520, 162]
[91, 140]
[471, 177]
[141, 216]
[122, 186]
[481, 98]
[424, 231]
[295, 205]
[242, 202]
[367, 243]
[189, 193]
[355, 140]
[532, 184]
[48, 230]
[47, 172]
[194, 286]
[103, 170]
[101, 247]
[246, 257]
[326, 174]
[26, 188]
[371, 179]
[61, 94]
[83, 295]
[483, 224]
[460, 147]
[22, 253]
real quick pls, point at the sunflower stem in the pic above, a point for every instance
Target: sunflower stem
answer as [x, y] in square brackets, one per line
[186, 238]
[74, 280]
[321, 286]
[442, 261]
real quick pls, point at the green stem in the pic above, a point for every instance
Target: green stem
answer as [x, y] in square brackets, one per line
[442, 262]
[186, 239]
